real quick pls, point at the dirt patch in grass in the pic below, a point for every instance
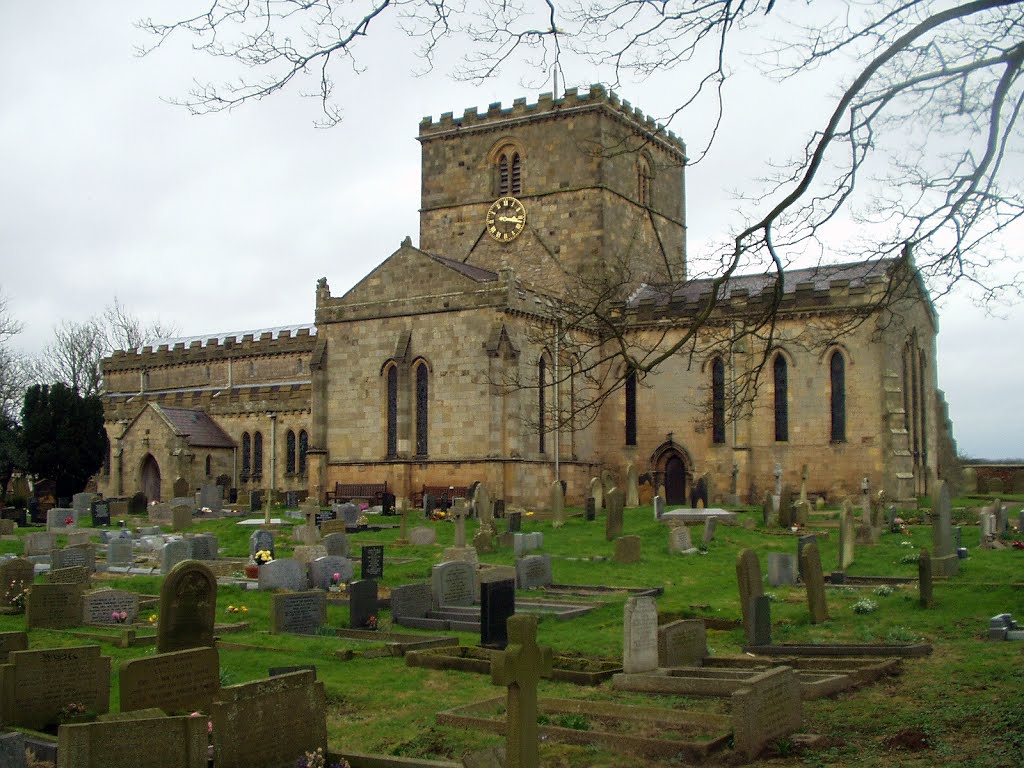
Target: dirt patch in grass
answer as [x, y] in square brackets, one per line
[910, 740]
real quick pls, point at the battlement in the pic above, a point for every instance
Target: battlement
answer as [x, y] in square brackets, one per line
[596, 97]
[196, 349]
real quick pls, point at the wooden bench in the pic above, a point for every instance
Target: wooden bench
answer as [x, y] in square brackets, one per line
[370, 492]
[440, 492]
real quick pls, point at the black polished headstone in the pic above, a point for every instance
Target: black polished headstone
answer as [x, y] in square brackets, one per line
[388, 506]
[515, 522]
[762, 624]
[362, 603]
[372, 561]
[499, 507]
[256, 501]
[291, 500]
[591, 511]
[497, 603]
[100, 511]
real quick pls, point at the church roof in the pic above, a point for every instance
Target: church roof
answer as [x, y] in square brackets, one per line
[196, 427]
[854, 275]
[479, 274]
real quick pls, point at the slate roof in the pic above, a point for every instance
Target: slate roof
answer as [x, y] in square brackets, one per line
[856, 273]
[479, 274]
[196, 427]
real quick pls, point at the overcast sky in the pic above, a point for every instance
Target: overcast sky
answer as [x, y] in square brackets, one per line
[225, 222]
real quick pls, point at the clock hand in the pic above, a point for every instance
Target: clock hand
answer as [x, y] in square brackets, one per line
[511, 219]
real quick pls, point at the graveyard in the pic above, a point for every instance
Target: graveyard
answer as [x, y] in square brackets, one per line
[608, 636]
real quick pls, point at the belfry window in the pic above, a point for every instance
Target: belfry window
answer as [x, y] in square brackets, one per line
[510, 173]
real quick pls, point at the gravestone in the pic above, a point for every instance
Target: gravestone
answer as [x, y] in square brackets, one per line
[682, 643]
[349, 513]
[59, 518]
[590, 511]
[78, 538]
[7, 527]
[188, 606]
[451, 583]
[180, 681]
[73, 574]
[627, 550]
[372, 561]
[767, 510]
[515, 522]
[482, 504]
[119, 552]
[459, 513]
[160, 514]
[37, 684]
[80, 502]
[180, 487]
[53, 606]
[12, 750]
[12, 641]
[613, 520]
[327, 527]
[268, 723]
[173, 552]
[814, 578]
[203, 547]
[699, 494]
[786, 513]
[16, 575]
[924, 579]
[801, 512]
[761, 609]
[499, 508]
[781, 569]
[211, 496]
[748, 576]
[83, 556]
[679, 539]
[709, 530]
[497, 604]
[766, 709]
[323, 569]
[284, 573]
[298, 613]
[533, 571]
[422, 536]
[362, 604]
[146, 738]
[945, 562]
[597, 492]
[640, 635]
[846, 537]
[802, 542]
[39, 544]
[101, 606]
[412, 601]
[100, 513]
[659, 507]
[261, 540]
[608, 482]
[632, 486]
[307, 554]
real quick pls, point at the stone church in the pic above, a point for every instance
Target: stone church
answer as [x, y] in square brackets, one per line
[470, 358]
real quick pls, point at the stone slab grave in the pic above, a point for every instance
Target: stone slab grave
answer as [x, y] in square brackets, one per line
[53, 606]
[394, 644]
[105, 606]
[125, 741]
[767, 708]
[299, 613]
[36, 684]
[695, 516]
[180, 681]
[580, 670]
[269, 723]
[905, 650]
[188, 605]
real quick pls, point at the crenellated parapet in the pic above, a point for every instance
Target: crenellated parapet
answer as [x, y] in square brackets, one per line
[597, 97]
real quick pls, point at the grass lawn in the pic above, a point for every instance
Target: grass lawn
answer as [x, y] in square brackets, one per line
[963, 705]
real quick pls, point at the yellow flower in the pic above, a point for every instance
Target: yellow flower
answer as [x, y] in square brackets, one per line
[529, 514]
[244, 609]
[231, 609]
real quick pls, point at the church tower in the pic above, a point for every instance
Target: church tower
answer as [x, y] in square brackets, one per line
[595, 186]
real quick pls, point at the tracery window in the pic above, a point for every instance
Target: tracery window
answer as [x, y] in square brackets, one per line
[422, 398]
[257, 454]
[246, 455]
[303, 450]
[289, 453]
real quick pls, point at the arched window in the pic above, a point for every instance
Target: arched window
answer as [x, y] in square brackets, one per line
[643, 181]
[303, 450]
[542, 383]
[209, 465]
[717, 401]
[392, 406]
[289, 453]
[924, 409]
[837, 375]
[246, 455]
[781, 379]
[257, 454]
[510, 172]
[631, 408]
[422, 398]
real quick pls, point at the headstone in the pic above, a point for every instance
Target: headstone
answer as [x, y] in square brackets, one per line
[944, 561]
[459, 513]
[59, 518]
[682, 643]
[160, 514]
[422, 536]
[679, 539]
[766, 709]
[372, 561]
[482, 504]
[802, 542]
[39, 543]
[709, 530]
[12, 750]
[659, 507]
[699, 493]
[767, 510]
[16, 575]
[627, 550]
[348, 512]
[7, 527]
[499, 508]
[261, 540]
[590, 510]
[515, 522]
[122, 740]
[640, 635]
[203, 547]
[781, 569]
[327, 527]
[748, 576]
[801, 512]
[80, 502]
[411, 601]
[497, 604]
[53, 606]
[106, 606]
[173, 552]
[298, 613]
[269, 722]
[613, 520]
[924, 579]
[12, 641]
[608, 482]
[81, 555]
[632, 486]
[188, 606]
[211, 496]
[306, 554]
[37, 684]
[451, 583]
[814, 579]
[533, 571]
[362, 604]
[180, 681]
[73, 574]
[519, 668]
[597, 492]
[322, 572]
[283, 573]
[786, 508]
[119, 552]
[100, 513]
[761, 609]
[846, 537]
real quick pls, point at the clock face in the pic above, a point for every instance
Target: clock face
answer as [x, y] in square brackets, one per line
[506, 218]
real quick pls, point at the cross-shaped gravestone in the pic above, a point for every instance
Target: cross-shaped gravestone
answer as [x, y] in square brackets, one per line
[519, 668]
[459, 511]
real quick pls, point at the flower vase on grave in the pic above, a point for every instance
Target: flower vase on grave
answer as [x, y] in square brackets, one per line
[252, 571]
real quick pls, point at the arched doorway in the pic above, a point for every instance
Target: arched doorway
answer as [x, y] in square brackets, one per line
[671, 465]
[151, 478]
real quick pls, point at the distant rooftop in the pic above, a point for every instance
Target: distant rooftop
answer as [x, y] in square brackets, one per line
[479, 274]
[221, 338]
[196, 427]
